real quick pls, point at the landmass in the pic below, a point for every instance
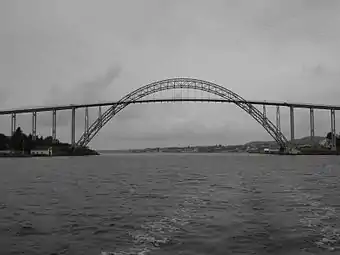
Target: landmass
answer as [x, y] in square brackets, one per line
[307, 146]
[22, 145]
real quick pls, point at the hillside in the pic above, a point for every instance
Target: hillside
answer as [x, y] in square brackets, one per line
[300, 141]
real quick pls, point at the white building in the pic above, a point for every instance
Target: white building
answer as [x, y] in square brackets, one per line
[5, 152]
[46, 152]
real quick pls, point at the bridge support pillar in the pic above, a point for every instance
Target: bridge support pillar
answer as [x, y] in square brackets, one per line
[264, 115]
[100, 116]
[264, 111]
[278, 118]
[86, 131]
[312, 129]
[34, 126]
[13, 123]
[292, 128]
[333, 129]
[73, 127]
[54, 125]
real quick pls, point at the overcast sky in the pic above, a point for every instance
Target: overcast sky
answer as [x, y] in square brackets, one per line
[68, 51]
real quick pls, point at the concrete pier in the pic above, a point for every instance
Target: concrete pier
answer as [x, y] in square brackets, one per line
[100, 124]
[86, 131]
[312, 129]
[34, 126]
[13, 123]
[333, 129]
[73, 127]
[292, 127]
[264, 115]
[54, 125]
[278, 118]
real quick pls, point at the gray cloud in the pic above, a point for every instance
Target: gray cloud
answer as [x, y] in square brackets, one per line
[89, 91]
[4, 95]
[309, 21]
[85, 92]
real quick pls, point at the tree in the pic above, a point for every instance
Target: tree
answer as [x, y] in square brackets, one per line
[17, 140]
[4, 142]
[329, 136]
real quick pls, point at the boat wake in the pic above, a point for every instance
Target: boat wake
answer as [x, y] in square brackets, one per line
[318, 217]
[153, 235]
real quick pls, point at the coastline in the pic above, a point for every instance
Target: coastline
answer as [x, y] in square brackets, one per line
[303, 153]
[70, 152]
[20, 145]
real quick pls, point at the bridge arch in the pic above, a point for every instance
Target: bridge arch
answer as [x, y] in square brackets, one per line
[182, 83]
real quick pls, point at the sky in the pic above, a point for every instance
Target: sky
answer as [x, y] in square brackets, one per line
[72, 51]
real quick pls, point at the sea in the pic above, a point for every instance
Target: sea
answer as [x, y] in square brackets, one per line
[162, 204]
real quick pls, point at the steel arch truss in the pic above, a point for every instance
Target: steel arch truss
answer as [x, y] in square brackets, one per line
[182, 83]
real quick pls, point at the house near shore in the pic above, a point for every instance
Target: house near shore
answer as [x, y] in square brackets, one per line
[42, 152]
[34, 152]
[5, 152]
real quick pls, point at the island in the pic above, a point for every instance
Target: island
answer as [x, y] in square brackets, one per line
[22, 145]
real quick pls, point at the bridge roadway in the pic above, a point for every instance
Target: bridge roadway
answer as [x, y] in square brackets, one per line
[254, 102]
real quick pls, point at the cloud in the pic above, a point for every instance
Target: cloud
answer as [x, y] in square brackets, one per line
[85, 92]
[95, 89]
[4, 95]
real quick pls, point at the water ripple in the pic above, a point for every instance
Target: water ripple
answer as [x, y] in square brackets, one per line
[170, 204]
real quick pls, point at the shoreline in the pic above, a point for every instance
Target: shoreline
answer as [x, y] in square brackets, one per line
[97, 154]
[310, 153]
[73, 153]
[45, 156]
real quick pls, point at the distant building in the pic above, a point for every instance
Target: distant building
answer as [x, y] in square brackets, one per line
[5, 152]
[305, 146]
[45, 152]
[271, 151]
[266, 150]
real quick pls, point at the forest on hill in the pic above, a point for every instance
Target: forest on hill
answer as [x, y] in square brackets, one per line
[19, 141]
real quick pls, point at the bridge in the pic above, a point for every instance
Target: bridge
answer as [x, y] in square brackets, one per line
[140, 96]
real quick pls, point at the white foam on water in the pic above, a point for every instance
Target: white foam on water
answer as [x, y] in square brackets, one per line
[153, 234]
[316, 216]
[131, 251]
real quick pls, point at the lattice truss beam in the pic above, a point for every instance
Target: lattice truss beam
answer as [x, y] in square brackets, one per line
[182, 83]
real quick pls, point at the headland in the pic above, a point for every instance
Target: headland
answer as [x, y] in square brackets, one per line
[22, 145]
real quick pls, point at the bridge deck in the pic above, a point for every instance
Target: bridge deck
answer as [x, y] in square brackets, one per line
[254, 102]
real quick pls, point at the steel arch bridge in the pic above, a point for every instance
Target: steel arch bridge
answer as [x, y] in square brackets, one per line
[182, 83]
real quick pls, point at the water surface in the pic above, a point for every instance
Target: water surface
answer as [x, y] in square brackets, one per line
[170, 204]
